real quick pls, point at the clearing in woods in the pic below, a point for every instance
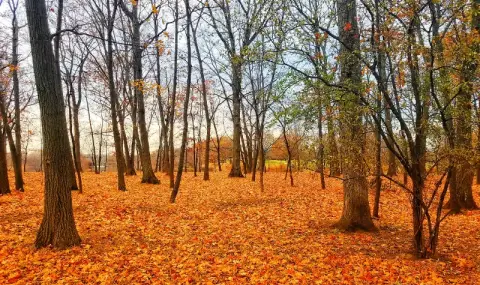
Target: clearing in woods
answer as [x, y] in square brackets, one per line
[226, 231]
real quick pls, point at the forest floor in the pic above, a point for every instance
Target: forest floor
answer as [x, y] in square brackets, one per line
[226, 232]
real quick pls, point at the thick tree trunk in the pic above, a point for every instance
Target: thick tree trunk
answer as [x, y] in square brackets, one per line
[4, 184]
[356, 209]
[58, 225]
[58, 81]
[464, 170]
[236, 170]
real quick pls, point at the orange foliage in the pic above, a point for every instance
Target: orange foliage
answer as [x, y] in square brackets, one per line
[226, 231]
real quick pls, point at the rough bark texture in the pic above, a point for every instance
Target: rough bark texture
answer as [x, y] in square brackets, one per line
[58, 81]
[356, 210]
[4, 184]
[236, 170]
[58, 225]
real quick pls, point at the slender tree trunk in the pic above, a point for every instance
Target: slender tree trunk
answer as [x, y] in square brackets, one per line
[332, 143]
[120, 159]
[94, 155]
[173, 101]
[320, 146]
[392, 160]
[72, 138]
[17, 152]
[206, 171]
[185, 107]
[76, 110]
[58, 225]
[217, 138]
[17, 166]
[262, 162]
[148, 176]
[25, 153]
[100, 145]
[378, 163]
[392, 168]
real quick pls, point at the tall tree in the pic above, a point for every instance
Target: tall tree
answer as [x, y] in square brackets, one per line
[208, 119]
[114, 97]
[181, 158]
[356, 210]
[58, 225]
[16, 148]
[255, 15]
[4, 183]
[148, 176]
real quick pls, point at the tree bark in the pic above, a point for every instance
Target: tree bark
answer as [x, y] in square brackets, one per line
[4, 184]
[58, 225]
[332, 143]
[178, 178]
[17, 151]
[236, 170]
[120, 160]
[356, 209]
[148, 176]
[173, 101]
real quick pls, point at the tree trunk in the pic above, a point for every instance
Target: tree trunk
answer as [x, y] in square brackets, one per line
[236, 65]
[173, 101]
[206, 171]
[320, 145]
[17, 152]
[332, 143]
[185, 107]
[94, 154]
[356, 209]
[58, 225]
[58, 81]
[120, 159]
[4, 184]
[76, 124]
[72, 138]
[219, 160]
[17, 165]
[148, 176]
